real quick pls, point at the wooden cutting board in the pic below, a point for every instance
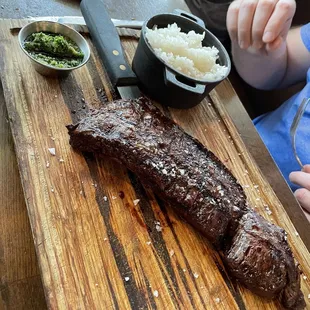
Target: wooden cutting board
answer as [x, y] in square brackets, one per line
[103, 241]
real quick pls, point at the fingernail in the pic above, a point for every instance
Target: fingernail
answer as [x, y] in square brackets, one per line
[268, 36]
[242, 44]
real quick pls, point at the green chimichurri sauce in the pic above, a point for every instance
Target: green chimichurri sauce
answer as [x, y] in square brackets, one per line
[53, 49]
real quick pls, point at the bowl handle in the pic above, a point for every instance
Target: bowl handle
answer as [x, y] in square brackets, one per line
[171, 78]
[190, 16]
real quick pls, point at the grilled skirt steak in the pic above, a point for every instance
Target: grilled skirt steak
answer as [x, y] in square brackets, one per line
[199, 187]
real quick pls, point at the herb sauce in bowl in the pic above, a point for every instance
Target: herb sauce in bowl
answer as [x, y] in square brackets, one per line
[53, 49]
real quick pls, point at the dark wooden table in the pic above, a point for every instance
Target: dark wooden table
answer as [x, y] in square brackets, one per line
[20, 282]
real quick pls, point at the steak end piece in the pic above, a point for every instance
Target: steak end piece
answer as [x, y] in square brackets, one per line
[260, 258]
[199, 187]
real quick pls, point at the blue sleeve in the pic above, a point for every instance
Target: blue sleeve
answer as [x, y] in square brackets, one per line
[305, 35]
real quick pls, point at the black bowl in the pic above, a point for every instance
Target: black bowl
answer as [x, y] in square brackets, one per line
[163, 83]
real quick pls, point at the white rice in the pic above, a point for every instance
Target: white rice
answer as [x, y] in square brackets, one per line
[184, 52]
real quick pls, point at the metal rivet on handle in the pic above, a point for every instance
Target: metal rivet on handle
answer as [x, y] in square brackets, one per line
[115, 52]
[122, 67]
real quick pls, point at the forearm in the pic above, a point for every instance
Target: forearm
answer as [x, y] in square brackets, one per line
[261, 70]
[298, 56]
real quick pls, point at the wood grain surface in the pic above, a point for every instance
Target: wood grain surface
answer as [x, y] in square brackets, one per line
[98, 248]
[20, 280]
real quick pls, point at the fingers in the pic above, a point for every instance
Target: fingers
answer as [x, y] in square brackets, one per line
[273, 46]
[232, 20]
[306, 168]
[245, 19]
[300, 178]
[307, 214]
[303, 196]
[280, 40]
[259, 22]
[283, 14]
[262, 14]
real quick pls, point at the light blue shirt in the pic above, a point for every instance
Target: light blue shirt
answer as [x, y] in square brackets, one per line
[274, 127]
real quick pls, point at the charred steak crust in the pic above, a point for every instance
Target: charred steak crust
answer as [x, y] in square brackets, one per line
[199, 187]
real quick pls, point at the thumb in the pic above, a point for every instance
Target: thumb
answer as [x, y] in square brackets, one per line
[276, 46]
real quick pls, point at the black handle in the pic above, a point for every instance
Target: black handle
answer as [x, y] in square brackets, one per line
[190, 16]
[107, 42]
[172, 79]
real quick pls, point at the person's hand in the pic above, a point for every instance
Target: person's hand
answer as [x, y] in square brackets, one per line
[302, 178]
[260, 24]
